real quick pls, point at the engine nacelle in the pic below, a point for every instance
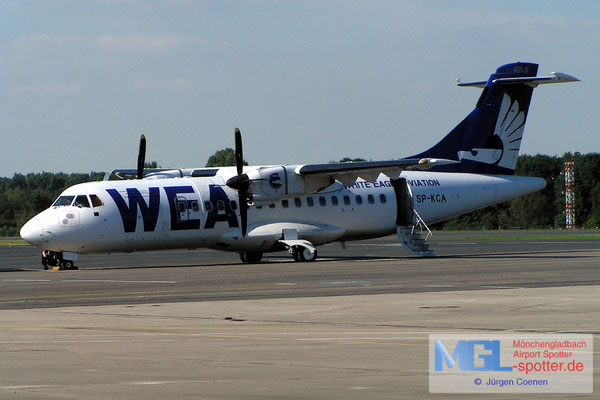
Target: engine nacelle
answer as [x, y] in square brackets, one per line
[270, 184]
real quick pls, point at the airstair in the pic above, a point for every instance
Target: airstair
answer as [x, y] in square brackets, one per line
[413, 238]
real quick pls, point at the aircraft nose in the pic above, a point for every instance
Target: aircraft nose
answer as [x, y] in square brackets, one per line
[33, 232]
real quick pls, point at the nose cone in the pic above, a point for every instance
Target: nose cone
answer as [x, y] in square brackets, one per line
[33, 232]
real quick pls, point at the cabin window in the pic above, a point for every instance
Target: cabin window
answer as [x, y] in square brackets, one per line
[81, 201]
[347, 200]
[63, 201]
[322, 201]
[272, 205]
[334, 200]
[208, 206]
[298, 202]
[382, 198]
[220, 205]
[310, 201]
[371, 199]
[285, 203]
[358, 199]
[96, 202]
[233, 205]
[195, 206]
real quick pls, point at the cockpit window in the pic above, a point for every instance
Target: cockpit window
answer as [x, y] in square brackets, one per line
[96, 202]
[63, 201]
[81, 201]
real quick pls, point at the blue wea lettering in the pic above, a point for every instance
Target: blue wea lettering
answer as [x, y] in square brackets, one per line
[149, 207]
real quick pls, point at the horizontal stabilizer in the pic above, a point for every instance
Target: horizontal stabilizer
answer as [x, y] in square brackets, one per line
[479, 84]
[555, 77]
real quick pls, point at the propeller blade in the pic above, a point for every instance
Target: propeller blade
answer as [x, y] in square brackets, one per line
[141, 158]
[240, 182]
[239, 153]
[243, 212]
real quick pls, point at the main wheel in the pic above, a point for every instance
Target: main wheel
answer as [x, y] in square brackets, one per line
[251, 257]
[306, 255]
[296, 253]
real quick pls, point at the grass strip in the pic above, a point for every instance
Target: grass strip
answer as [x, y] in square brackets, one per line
[524, 237]
[13, 242]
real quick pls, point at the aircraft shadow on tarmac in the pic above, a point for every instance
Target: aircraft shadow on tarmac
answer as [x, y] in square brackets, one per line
[279, 259]
[329, 259]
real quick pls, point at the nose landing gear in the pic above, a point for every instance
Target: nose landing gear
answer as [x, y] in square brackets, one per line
[55, 260]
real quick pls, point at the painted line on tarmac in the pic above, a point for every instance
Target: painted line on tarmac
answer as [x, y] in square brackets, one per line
[84, 280]
[112, 281]
[401, 245]
[501, 287]
[453, 243]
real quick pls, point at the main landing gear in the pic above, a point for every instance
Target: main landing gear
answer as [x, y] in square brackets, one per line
[303, 254]
[55, 259]
[251, 257]
[299, 253]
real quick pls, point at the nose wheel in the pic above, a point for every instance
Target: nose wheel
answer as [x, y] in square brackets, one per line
[55, 259]
[68, 264]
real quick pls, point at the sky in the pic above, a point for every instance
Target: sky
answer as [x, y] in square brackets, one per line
[305, 81]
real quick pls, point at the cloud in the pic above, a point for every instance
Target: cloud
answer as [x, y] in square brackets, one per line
[52, 88]
[177, 84]
[140, 43]
[30, 42]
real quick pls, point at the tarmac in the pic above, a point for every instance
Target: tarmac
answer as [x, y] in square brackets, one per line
[354, 324]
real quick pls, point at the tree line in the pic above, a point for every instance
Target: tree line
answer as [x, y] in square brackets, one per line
[543, 209]
[23, 196]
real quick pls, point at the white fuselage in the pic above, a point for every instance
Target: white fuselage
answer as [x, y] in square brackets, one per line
[203, 212]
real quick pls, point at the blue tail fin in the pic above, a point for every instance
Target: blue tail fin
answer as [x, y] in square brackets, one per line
[488, 140]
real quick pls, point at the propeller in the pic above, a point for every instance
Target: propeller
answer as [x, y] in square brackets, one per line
[141, 158]
[240, 182]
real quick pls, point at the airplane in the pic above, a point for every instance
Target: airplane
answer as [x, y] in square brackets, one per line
[254, 210]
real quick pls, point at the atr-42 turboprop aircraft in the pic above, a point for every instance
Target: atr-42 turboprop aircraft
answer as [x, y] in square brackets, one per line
[252, 210]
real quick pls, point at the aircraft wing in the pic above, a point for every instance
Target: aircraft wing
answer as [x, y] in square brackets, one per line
[128, 173]
[154, 173]
[348, 172]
